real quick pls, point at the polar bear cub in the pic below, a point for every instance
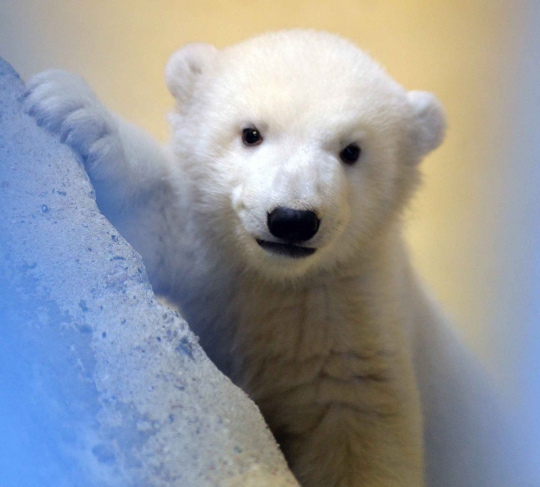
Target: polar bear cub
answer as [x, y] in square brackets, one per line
[273, 220]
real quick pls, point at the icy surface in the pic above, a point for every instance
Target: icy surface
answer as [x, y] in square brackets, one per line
[101, 383]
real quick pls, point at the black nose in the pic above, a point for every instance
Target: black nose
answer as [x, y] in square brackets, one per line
[293, 225]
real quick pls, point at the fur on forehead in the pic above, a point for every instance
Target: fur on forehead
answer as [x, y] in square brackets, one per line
[283, 73]
[303, 70]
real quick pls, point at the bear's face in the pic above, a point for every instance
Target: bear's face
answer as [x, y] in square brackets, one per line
[298, 147]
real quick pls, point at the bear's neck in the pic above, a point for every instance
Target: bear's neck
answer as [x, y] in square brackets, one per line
[359, 309]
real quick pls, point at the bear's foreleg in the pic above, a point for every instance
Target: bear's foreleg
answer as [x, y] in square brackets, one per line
[122, 160]
[127, 167]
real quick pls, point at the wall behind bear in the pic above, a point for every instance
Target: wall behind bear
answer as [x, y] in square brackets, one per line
[471, 250]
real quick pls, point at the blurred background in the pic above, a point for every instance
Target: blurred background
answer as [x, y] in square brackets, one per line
[474, 227]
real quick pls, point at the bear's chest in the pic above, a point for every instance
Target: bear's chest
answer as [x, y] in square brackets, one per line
[256, 334]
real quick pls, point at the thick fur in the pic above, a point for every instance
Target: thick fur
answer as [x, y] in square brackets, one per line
[352, 365]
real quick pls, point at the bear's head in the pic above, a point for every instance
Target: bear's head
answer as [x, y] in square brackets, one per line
[299, 149]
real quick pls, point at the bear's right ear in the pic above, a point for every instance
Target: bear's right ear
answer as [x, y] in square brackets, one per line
[185, 66]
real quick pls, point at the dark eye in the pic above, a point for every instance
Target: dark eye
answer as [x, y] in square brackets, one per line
[350, 154]
[251, 136]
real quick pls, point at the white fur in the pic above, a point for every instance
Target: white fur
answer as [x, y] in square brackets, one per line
[336, 348]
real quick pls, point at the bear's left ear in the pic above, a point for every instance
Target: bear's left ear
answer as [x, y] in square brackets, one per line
[185, 68]
[429, 115]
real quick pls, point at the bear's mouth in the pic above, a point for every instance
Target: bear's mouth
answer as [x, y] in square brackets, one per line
[285, 249]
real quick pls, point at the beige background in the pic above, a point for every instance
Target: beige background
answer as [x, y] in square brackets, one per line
[466, 51]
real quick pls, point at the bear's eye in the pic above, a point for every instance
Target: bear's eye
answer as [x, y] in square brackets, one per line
[350, 154]
[251, 136]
